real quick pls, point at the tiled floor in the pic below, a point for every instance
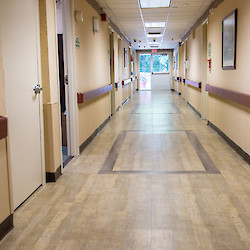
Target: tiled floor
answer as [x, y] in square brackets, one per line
[156, 177]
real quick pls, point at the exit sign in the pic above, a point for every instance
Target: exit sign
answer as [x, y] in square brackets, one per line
[154, 50]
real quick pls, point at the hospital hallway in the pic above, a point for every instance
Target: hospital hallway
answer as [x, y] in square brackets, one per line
[155, 177]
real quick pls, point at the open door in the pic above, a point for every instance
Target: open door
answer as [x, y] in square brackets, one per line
[63, 82]
[145, 71]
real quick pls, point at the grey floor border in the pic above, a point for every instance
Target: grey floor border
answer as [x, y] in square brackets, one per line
[109, 163]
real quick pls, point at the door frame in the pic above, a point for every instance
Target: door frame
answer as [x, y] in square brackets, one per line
[170, 62]
[40, 96]
[70, 70]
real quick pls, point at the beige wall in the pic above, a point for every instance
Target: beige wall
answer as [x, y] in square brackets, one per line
[125, 71]
[92, 62]
[5, 209]
[232, 119]
[119, 64]
[50, 83]
[126, 91]
[194, 73]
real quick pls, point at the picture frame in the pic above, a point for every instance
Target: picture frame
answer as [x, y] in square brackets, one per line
[125, 58]
[229, 38]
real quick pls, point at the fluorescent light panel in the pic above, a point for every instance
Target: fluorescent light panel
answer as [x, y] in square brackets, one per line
[154, 35]
[155, 24]
[155, 3]
[154, 44]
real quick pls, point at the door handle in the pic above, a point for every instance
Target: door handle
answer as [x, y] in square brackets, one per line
[37, 89]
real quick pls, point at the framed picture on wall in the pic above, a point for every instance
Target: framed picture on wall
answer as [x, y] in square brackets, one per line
[125, 58]
[229, 33]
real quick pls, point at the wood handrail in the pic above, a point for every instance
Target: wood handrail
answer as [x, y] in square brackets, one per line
[231, 95]
[126, 82]
[3, 127]
[89, 95]
[192, 83]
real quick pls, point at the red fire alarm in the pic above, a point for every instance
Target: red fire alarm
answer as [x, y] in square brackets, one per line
[104, 17]
[209, 64]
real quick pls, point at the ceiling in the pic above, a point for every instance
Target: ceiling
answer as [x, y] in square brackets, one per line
[130, 19]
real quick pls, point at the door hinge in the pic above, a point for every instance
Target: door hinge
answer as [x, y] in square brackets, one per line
[66, 79]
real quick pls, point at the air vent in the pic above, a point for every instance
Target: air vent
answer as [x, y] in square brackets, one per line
[154, 33]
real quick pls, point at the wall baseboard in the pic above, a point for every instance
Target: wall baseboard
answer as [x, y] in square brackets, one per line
[53, 177]
[126, 100]
[194, 109]
[117, 109]
[176, 91]
[6, 226]
[90, 139]
[237, 149]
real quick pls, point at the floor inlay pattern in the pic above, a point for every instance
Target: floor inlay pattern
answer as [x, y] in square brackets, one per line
[148, 181]
[110, 162]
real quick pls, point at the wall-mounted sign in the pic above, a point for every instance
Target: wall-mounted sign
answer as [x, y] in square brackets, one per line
[209, 49]
[125, 58]
[77, 43]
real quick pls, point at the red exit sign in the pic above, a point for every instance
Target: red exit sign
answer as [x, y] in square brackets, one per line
[154, 50]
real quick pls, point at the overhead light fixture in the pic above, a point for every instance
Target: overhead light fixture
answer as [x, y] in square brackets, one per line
[154, 44]
[154, 35]
[155, 24]
[155, 3]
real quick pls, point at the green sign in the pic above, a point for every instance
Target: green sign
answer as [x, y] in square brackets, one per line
[209, 49]
[77, 43]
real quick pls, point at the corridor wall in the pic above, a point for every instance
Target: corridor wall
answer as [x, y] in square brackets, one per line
[126, 90]
[194, 72]
[93, 69]
[231, 118]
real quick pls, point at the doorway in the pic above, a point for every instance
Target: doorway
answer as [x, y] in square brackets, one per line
[154, 71]
[63, 81]
[145, 71]
[160, 72]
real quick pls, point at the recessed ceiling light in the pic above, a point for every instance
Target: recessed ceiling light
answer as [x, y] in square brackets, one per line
[154, 35]
[155, 24]
[155, 3]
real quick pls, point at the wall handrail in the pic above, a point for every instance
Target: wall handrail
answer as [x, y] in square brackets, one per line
[231, 95]
[3, 127]
[192, 83]
[89, 95]
[126, 81]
